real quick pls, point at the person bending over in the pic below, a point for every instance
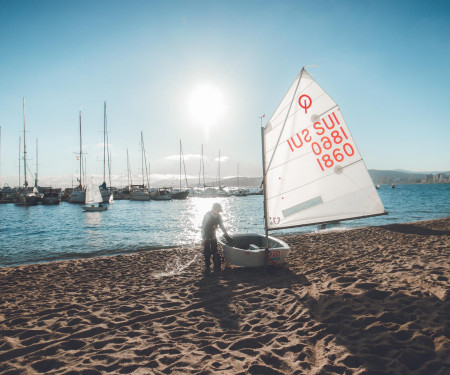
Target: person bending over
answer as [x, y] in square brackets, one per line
[211, 221]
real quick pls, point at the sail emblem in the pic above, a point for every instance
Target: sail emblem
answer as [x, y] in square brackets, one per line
[276, 220]
[306, 103]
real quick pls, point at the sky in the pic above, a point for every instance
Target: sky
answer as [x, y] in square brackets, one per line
[386, 64]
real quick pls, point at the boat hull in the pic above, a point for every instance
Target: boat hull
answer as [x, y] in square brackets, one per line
[140, 196]
[77, 196]
[94, 208]
[248, 250]
[51, 200]
[180, 194]
[164, 197]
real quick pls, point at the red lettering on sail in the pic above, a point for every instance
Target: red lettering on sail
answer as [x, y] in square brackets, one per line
[317, 127]
[329, 142]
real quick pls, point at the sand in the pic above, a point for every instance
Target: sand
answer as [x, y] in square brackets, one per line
[366, 301]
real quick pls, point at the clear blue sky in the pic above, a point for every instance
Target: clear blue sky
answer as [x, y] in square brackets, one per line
[386, 63]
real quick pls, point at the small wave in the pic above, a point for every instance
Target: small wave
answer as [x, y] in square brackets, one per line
[175, 268]
[79, 255]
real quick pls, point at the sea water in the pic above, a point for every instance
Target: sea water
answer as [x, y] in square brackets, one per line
[48, 233]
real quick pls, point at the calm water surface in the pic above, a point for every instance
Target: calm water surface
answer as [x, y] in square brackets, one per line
[47, 233]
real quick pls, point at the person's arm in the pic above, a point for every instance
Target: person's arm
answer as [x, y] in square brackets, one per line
[206, 220]
[225, 233]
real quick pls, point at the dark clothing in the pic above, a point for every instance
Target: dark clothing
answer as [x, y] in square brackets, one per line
[210, 248]
[211, 221]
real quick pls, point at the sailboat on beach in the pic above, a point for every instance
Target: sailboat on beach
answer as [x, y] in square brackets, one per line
[313, 174]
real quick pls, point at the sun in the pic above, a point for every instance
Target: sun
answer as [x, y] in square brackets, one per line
[206, 105]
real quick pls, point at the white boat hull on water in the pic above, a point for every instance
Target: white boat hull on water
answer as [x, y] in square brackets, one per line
[248, 250]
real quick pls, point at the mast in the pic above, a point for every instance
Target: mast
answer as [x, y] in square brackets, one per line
[36, 177]
[219, 168]
[142, 158]
[266, 229]
[20, 154]
[184, 165]
[180, 164]
[24, 151]
[147, 170]
[108, 151]
[203, 169]
[128, 170]
[104, 144]
[81, 155]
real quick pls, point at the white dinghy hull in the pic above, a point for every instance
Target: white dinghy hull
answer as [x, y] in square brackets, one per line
[248, 250]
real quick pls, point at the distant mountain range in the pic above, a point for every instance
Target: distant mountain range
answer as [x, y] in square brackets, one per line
[407, 177]
[397, 176]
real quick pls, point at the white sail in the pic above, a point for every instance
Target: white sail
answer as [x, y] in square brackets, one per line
[93, 194]
[314, 172]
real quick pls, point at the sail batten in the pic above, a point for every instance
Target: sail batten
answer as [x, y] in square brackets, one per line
[313, 170]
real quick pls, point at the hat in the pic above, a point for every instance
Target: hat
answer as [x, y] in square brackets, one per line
[217, 207]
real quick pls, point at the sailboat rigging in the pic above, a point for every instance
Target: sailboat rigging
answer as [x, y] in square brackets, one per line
[78, 195]
[105, 192]
[313, 173]
[24, 198]
[181, 193]
[140, 192]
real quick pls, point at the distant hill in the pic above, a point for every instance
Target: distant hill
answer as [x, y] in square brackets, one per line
[230, 182]
[407, 177]
[378, 177]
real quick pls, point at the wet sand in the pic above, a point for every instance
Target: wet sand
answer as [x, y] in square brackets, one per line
[366, 301]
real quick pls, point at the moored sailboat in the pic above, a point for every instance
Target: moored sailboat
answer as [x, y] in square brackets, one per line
[104, 191]
[93, 197]
[78, 194]
[141, 192]
[312, 173]
[27, 196]
[180, 193]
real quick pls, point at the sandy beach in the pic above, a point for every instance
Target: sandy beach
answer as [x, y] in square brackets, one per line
[365, 301]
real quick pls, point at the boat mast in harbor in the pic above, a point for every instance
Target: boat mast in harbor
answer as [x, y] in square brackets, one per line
[36, 175]
[24, 152]
[81, 154]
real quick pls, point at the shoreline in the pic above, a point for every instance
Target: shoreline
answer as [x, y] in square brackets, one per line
[117, 252]
[368, 300]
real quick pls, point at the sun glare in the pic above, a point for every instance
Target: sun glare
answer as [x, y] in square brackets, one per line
[206, 105]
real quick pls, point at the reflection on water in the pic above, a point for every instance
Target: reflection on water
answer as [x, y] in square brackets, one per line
[43, 233]
[93, 219]
[94, 230]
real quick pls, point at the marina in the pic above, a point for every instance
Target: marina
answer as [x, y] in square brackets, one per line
[46, 233]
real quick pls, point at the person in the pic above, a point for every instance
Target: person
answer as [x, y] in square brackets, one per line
[211, 221]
